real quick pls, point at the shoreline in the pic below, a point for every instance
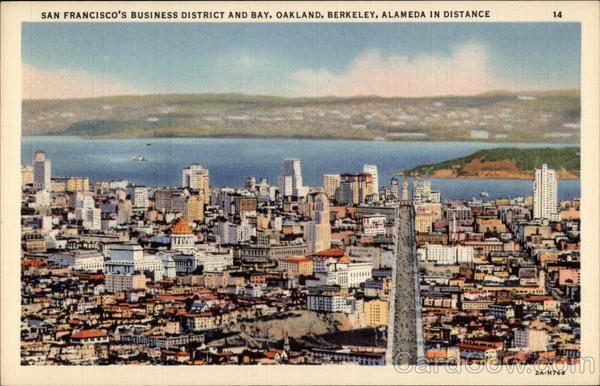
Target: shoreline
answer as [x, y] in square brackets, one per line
[308, 138]
[400, 174]
[489, 177]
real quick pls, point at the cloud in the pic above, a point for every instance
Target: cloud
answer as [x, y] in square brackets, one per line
[63, 84]
[465, 72]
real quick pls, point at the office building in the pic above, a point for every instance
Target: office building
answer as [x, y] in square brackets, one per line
[544, 194]
[405, 189]
[318, 230]
[394, 187]
[138, 196]
[290, 180]
[372, 170]
[41, 171]
[196, 177]
[355, 188]
[194, 208]
[331, 183]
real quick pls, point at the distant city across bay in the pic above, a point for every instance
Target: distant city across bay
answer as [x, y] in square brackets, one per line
[231, 161]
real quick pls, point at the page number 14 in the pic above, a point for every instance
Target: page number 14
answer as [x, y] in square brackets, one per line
[557, 14]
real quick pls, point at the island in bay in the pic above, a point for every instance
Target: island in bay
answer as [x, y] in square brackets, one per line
[505, 163]
[497, 116]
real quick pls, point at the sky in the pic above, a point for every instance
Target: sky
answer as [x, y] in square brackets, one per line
[77, 60]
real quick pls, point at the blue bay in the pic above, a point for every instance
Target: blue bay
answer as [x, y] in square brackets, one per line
[231, 160]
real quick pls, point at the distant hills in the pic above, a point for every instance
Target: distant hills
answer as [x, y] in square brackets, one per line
[499, 116]
[505, 163]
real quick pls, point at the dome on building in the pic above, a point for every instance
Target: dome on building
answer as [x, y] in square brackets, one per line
[344, 259]
[181, 228]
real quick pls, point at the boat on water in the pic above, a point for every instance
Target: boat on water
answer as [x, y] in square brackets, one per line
[139, 158]
[483, 194]
[148, 144]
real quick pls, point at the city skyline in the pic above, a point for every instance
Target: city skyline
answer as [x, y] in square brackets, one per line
[159, 277]
[388, 59]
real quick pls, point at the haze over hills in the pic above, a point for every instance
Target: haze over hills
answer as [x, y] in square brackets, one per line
[499, 116]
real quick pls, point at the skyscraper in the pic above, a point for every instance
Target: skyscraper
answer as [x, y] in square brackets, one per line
[354, 188]
[544, 194]
[318, 230]
[194, 208]
[372, 170]
[41, 171]
[331, 183]
[394, 187]
[405, 189]
[290, 180]
[196, 177]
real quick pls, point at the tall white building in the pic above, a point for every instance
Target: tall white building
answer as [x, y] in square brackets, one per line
[41, 171]
[372, 170]
[544, 194]
[290, 180]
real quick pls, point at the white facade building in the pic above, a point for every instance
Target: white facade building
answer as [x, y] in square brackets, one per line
[344, 274]
[79, 260]
[290, 180]
[372, 170]
[90, 218]
[127, 258]
[214, 258]
[447, 255]
[43, 199]
[138, 196]
[544, 194]
[334, 303]
[373, 225]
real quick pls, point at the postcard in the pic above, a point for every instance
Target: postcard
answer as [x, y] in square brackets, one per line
[300, 193]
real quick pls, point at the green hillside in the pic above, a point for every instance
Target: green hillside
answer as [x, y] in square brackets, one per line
[562, 158]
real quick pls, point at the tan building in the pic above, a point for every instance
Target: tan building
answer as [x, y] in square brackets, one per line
[196, 177]
[118, 283]
[331, 183]
[376, 312]
[423, 222]
[57, 186]
[318, 231]
[490, 225]
[26, 175]
[35, 243]
[300, 265]
[194, 208]
[245, 204]
[530, 339]
[77, 184]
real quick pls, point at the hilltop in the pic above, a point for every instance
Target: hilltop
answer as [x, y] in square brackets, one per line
[499, 116]
[515, 163]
